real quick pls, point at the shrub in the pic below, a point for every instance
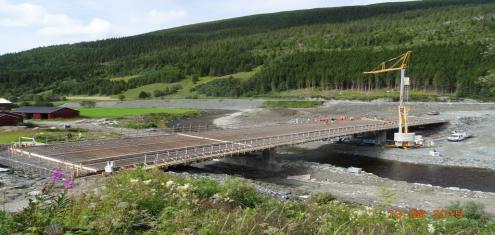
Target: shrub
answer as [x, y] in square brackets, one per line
[158, 93]
[167, 91]
[195, 78]
[387, 196]
[241, 193]
[7, 225]
[88, 104]
[144, 95]
[321, 198]
[205, 187]
[225, 87]
[471, 210]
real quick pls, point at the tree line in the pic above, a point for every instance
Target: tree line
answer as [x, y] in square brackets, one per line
[326, 48]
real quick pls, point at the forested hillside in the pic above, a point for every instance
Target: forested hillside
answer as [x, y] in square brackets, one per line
[320, 48]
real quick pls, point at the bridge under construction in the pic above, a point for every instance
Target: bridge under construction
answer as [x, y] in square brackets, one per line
[171, 149]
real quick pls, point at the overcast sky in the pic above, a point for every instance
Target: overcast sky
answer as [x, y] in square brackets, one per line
[26, 24]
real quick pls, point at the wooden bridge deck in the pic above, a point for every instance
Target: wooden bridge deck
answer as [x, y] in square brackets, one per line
[182, 148]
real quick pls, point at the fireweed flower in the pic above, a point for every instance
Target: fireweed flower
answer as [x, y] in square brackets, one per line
[57, 175]
[68, 183]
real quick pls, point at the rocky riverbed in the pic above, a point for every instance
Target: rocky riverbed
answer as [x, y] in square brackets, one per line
[17, 188]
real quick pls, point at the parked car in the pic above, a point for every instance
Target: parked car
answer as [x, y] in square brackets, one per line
[433, 113]
[458, 136]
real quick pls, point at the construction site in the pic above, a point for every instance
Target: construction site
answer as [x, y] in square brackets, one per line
[165, 150]
[285, 152]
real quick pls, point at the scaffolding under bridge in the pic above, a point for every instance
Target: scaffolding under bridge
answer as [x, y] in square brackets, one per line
[171, 149]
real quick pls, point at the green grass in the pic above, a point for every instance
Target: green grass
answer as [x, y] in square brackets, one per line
[291, 104]
[54, 135]
[157, 120]
[124, 78]
[12, 136]
[133, 94]
[186, 85]
[125, 112]
[155, 202]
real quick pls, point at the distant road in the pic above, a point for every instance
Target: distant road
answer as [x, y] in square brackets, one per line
[219, 104]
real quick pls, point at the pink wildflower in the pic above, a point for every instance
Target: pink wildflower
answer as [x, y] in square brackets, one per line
[57, 175]
[68, 183]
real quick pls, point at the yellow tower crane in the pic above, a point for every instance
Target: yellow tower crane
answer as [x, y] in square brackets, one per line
[402, 138]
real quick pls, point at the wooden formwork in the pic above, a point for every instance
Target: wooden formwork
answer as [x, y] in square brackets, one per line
[171, 149]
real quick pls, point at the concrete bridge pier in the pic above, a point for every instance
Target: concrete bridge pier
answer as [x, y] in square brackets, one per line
[381, 137]
[375, 138]
[267, 154]
[267, 157]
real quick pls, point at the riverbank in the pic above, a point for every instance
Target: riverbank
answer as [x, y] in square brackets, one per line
[294, 179]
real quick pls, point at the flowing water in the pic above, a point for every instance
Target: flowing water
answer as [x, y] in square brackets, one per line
[445, 176]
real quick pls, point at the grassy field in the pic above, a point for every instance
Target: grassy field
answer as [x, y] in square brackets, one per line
[132, 94]
[186, 85]
[159, 116]
[54, 135]
[11, 136]
[291, 104]
[125, 112]
[124, 78]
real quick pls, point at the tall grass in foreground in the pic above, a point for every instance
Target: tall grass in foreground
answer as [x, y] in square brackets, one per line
[153, 202]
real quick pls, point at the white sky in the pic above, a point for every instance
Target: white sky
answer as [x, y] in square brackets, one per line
[27, 24]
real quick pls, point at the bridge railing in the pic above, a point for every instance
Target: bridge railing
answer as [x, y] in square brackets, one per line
[202, 152]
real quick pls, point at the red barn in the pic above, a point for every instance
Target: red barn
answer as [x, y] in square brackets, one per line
[47, 112]
[9, 119]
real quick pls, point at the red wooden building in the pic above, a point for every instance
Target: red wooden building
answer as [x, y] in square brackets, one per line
[46, 112]
[9, 119]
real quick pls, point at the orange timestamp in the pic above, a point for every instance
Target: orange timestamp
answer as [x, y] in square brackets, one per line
[422, 214]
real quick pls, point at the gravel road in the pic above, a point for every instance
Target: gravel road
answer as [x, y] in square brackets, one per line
[221, 104]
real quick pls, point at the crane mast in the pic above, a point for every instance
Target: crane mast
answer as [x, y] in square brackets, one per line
[402, 138]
